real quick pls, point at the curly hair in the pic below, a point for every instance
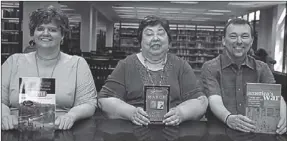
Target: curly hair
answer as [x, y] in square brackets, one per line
[46, 16]
[152, 21]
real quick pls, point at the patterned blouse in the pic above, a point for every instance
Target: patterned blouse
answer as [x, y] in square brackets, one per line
[127, 80]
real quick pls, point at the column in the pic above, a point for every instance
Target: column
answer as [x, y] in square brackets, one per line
[109, 34]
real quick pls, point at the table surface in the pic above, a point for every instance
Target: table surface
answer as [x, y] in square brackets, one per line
[99, 128]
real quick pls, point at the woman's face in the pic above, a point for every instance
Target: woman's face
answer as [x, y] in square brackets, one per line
[47, 35]
[154, 40]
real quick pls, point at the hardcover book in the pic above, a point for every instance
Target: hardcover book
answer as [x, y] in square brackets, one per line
[156, 102]
[37, 104]
[263, 106]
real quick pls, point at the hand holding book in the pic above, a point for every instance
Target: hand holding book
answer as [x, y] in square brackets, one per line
[140, 117]
[173, 117]
[241, 123]
[281, 127]
[9, 122]
[65, 121]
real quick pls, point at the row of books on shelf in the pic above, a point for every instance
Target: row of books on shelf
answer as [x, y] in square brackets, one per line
[10, 26]
[198, 32]
[10, 12]
[10, 37]
[7, 48]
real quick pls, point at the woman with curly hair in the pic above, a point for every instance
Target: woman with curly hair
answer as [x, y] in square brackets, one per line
[75, 89]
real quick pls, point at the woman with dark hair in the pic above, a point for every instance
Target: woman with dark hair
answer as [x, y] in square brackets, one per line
[75, 89]
[122, 96]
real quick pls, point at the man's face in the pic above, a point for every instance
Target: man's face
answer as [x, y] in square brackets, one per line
[238, 40]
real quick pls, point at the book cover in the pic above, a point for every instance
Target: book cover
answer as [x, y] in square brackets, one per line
[36, 104]
[263, 106]
[156, 102]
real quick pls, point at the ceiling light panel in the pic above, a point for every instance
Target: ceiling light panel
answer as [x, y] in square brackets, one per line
[193, 10]
[184, 2]
[221, 11]
[146, 8]
[174, 12]
[191, 13]
[118, 7]
[171, 9]
[131, 10]
[145, 11]
[213, 14]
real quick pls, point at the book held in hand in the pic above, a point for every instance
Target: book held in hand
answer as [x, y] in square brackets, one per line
[37, 104]
[263, 106]
[156, 102]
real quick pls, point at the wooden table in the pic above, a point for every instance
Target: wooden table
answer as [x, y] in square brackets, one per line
[99, 128]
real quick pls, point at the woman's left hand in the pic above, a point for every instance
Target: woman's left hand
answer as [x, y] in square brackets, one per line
[281, 127]
[173, 117]
[65, 121]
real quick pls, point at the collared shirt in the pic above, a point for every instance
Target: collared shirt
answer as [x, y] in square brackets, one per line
[220, 76]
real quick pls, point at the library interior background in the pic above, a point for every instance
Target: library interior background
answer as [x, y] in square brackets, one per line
[105, 32]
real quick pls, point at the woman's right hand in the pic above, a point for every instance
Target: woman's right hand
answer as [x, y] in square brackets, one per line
[140, 117]
[9, 122]
[241, 123]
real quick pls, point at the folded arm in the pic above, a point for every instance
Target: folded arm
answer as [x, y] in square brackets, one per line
[116, 108]
[193, 109]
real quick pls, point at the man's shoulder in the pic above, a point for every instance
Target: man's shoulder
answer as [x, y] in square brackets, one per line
[213, 63]
[258, 63]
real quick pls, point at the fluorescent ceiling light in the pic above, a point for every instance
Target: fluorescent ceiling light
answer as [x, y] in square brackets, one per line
[126, 15]
[194, 10]
[174, 12]
[223, 11]
[191, 13]
[241, 3]
[146, 8]
[145, 11]
[184, 2]
[213, 13]
[115, 7]
[124, 10]
[171, 9]
[202, 18]
[199, 20]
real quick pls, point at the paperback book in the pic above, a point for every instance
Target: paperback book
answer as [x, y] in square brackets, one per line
[37, 104]
[263, 106]
[156, 102]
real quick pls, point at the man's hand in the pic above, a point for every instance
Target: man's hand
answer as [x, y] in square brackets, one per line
[281, 127]
[241, 123]
[65, 121]
[140, 117]
[9, 122]
[173, 117]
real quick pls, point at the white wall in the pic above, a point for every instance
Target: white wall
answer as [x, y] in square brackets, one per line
[279, 25]
[271, 31]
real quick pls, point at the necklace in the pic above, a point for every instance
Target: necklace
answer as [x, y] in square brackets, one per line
[149, 73]
[42, 58]
[58, 58]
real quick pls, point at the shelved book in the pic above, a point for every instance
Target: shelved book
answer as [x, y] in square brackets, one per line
[156, 102]
[37, 104]
[263, 106]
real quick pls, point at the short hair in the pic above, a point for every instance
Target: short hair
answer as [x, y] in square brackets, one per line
[238, 21]
[48, 15]
[152, 21]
